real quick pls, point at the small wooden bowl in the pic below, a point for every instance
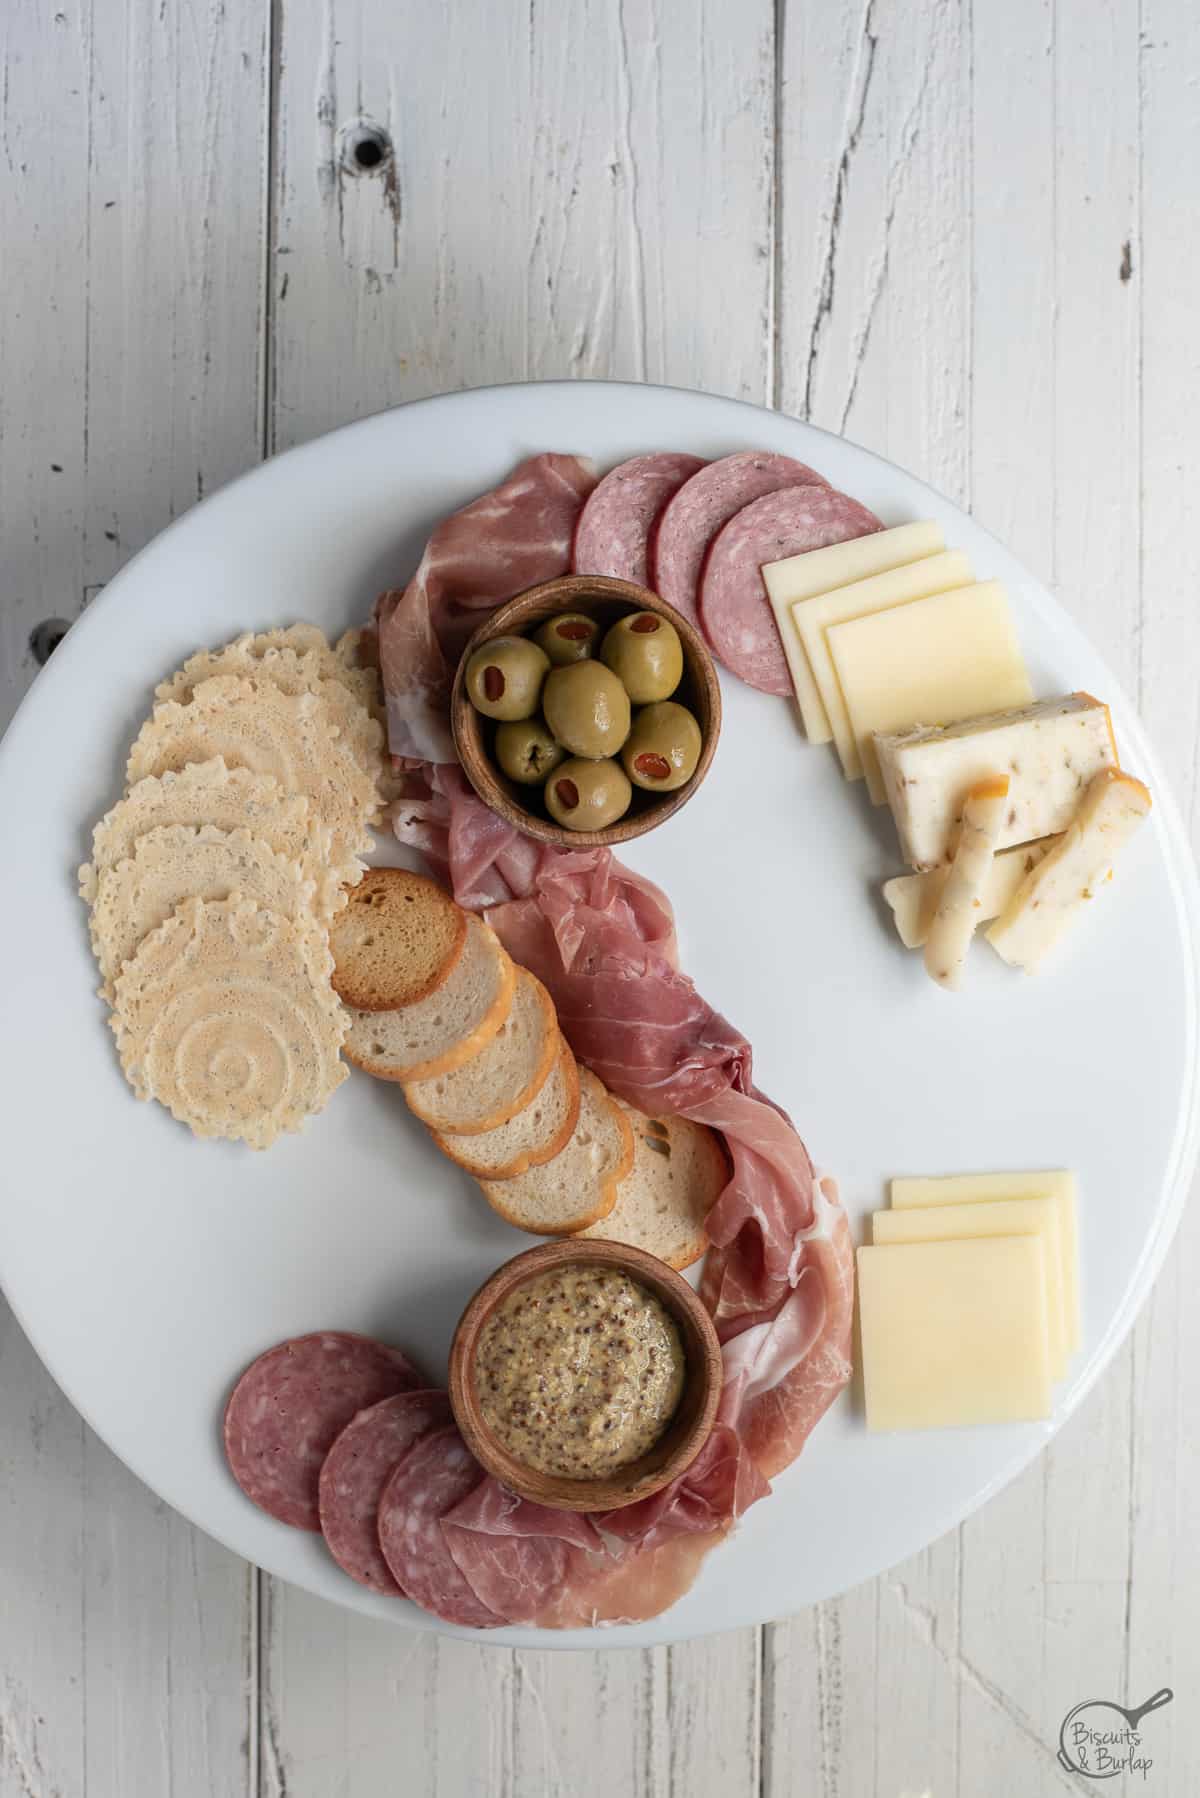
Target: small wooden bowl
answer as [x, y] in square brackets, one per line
[685, 1435]
[607, 600]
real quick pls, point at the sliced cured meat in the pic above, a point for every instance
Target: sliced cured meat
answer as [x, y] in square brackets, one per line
[355, 1472]
[437, 1472]
[615, 526]
[721, 1483]
[289, 1406]
[515, 1555]
[781, 1376]
[735, 612]
[691, 520]
[630, 1587]
[509, 539]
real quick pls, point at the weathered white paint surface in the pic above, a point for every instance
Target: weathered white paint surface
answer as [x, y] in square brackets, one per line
[964, 236]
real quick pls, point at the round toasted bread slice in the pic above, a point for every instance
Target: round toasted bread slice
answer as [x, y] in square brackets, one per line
[579, 1186]
[398, 940]
[450, 1026]
[533, 1136]
[679, 1171]
[505, 1075]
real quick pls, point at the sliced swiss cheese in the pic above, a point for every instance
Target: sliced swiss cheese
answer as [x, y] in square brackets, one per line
[1000, 1217]
[935, 661]
[1050, 751]
[878, 593]
[960, 902]
[817, 570]
[913, 898]
[954, 1332]
[1056, 893]
[978, 1189]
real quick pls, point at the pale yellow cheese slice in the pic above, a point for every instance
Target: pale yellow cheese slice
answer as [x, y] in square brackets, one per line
[960, 903]
[1000, 1217]
[913, 898]
[976, 1189]
[935, 661]
[1056, 893]
[820, 570]
[878, 593]
[954, 1333]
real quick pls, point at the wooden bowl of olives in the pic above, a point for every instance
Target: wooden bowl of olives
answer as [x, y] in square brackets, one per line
[586, 711]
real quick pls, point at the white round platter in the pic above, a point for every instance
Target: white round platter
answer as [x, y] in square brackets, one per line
[148, 1268]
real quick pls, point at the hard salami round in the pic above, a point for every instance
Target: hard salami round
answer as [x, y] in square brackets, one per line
[613, 533]
[290, 1404]
[690, 521]
[438, 1470]
[735, 612]
[355, 1472]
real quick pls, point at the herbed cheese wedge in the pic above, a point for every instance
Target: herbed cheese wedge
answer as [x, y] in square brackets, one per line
[1054, 1183]
[954, 1333]
[913, 898]
[961, 902]
[1049, 750]
[819, 571]
[1000, 1217]
[878, 593]
[1057, 892]
[936, 661]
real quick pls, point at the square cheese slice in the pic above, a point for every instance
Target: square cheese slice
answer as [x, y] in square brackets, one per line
[954, 1332]
[812, 618]
[977, 1189]
[1050, 751]
[914, 897]
[932, 662]
[1000, 1217]
[817, 570]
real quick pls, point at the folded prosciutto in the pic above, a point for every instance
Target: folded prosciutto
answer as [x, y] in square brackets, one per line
[779, 1275]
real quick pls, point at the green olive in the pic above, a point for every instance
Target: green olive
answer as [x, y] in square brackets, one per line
[645, 652]
[587, 708]
[571, 637]
[504, 678]
[583, 795]
[526, 751]
[662, 748]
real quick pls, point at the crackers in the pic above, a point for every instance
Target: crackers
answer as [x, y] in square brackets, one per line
[212, 883]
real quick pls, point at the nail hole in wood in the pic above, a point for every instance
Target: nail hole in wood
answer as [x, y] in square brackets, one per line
[365, 148]
[45, 638]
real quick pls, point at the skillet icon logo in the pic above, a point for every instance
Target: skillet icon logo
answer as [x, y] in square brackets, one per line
[1100, 1739]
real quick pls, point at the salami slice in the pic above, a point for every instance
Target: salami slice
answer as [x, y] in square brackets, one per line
[438, 1470]
[614, 529]
[691, 520]
[290, 1404]
[735, 612]
[355, 1472]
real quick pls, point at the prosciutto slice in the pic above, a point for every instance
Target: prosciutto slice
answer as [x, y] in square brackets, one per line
[505, 541]
[779, 1276]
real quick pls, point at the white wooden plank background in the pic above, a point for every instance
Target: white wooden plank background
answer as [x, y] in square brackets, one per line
[966, 236]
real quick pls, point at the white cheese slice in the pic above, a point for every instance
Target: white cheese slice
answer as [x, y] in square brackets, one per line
[812, 617]
[954, 1332]
[914, 897]
[932, 662]
[978, 1189]
[1051, 750]
[961, 901]
[1056, 893]
[1001, 1217]
[817, 570]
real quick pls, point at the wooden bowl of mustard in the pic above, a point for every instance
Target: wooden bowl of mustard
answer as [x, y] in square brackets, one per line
[604, 601]
[585, 1375]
